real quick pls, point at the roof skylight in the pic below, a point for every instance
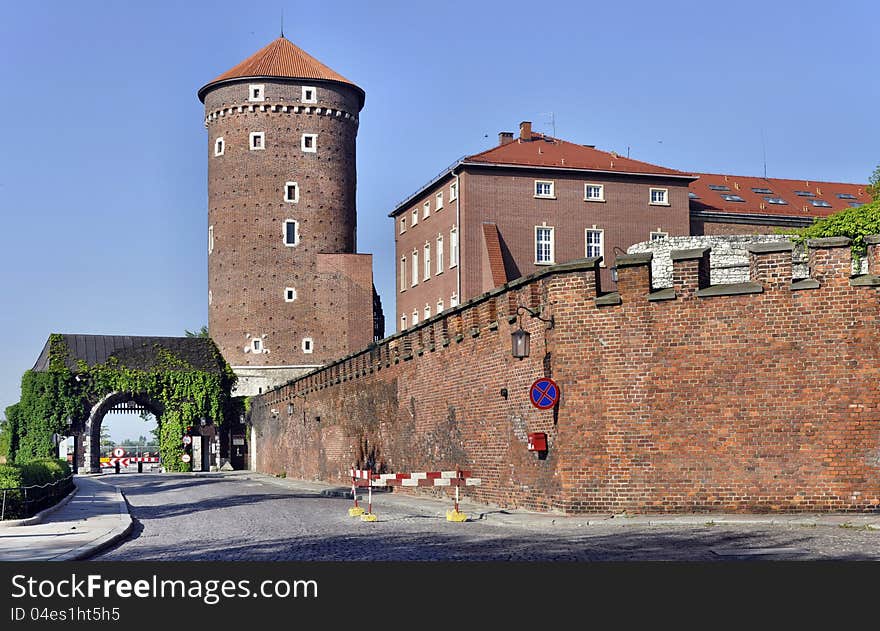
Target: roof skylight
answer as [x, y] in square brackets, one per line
[732, 198]
[776, 200]
[804, 193]
[719, 187]
[845, 196]
[820, 202]
[762, 191]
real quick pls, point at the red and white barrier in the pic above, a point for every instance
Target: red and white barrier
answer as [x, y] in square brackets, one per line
[364, 477]
[125, 461]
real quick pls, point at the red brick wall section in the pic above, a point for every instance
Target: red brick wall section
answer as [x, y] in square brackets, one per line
[712, 400]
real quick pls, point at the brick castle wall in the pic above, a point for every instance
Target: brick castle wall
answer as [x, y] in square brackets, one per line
[757, 396]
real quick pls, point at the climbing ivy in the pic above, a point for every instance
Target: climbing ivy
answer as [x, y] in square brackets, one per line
[855, 223]
[49, 398]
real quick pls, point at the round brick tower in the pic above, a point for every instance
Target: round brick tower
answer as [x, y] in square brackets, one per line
[282, 129]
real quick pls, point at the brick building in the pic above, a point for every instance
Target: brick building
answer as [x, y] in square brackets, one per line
[530, 202]
[535, 200]
[286, 290]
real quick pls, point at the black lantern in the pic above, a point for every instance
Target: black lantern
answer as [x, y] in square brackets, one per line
[520, 343]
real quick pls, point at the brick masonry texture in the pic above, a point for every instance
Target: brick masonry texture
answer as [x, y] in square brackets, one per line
[250, 267]
[709, 401]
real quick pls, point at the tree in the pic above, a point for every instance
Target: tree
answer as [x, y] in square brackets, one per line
[202, 332]
[105, 439]
[855, 223]
[874, 184]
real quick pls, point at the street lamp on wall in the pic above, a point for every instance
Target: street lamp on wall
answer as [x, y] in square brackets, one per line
[519, 339]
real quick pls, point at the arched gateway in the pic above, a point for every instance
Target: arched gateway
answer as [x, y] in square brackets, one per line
[183, 381]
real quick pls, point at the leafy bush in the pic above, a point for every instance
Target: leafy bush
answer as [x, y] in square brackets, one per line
[34, 473]
[855, 223]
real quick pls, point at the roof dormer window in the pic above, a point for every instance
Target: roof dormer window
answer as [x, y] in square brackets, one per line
[256, 92]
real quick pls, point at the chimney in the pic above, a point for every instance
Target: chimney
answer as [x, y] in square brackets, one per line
[525, 130]
[504, 137]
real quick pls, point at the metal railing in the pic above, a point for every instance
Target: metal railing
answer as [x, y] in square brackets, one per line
[26, 501]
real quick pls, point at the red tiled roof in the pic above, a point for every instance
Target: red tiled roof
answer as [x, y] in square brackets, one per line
[546, 151]
[281, 58]
[496, 258]
[710, 200]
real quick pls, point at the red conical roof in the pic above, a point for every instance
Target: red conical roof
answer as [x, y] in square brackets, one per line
[281, 58]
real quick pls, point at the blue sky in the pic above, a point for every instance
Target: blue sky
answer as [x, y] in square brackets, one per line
[103, 153]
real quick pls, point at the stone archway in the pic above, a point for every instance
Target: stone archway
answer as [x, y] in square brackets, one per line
[91, 434]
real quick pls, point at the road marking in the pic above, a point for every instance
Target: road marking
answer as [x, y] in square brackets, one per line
[745, 552]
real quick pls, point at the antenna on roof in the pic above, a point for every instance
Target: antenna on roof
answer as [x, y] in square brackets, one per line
[552, 122]
[764, 152]
[282, 21]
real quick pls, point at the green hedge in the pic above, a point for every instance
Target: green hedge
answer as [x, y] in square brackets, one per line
[21, 503]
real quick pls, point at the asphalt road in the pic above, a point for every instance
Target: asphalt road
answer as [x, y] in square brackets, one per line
[180, 518]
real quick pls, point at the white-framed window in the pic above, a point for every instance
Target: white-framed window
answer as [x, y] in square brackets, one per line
[439, 254]
[453, 191]
[289, 294]
[545, 188]
[427, 261]
[415, 317]
[291, 192]
[594, 239]
[309, 94]
[439, 305]
[258, 141]
[210, 297]
[219, 146]
[544, 246]
[310, 143]
[426, 209]
[256, 92]
[427, 311]
[659, 197]
[594, 192]
[403, 224]
[658, 234]
[308, 345]
[415, 269]
[256, 345]
[290, 231]
[415, 216]
[438, 201]
[453, 300]
[453, 247]
[402, 273]
[403, 322]
[210, 239]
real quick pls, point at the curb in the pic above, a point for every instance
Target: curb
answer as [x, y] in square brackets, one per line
[36, 519]
[105, 541]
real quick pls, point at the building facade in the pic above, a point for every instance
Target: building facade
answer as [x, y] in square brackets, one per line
[531, 202]
[286, 290]
[534, 201]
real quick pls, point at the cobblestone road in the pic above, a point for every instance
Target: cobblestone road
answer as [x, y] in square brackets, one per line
[180, 517]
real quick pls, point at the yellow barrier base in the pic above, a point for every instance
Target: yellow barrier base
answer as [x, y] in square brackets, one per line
[454, 515]
[355, 511]
[369, 517]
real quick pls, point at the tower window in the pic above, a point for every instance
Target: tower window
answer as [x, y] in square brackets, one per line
[402, 225]
[289, 294]
[309, 94]
[256, 92]
[426, 209]
[256, 345]
[439, 305]
[291, 192]
[453, 191]
[308, 345]
[403, 322]
[310, 143]
[453, 247]
[258, 140]
[219, 146]
[453, 300]
[438, 200]
[415, 317]
[594, 192]
[427, 311]
[291, 232]
[439, 254]
[210, 239]
[402, 273]
[210, 297]
[427, 261]
[415, 269]
[415, 216]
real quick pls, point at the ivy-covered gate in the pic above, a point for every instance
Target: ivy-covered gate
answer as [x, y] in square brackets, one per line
[78, 379]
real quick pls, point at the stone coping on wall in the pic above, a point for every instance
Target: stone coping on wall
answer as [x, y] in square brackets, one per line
[420, 338]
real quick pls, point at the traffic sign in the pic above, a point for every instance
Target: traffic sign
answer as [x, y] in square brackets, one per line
[187, 440]
[118, 452]
[544, 393]
[186, 457]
